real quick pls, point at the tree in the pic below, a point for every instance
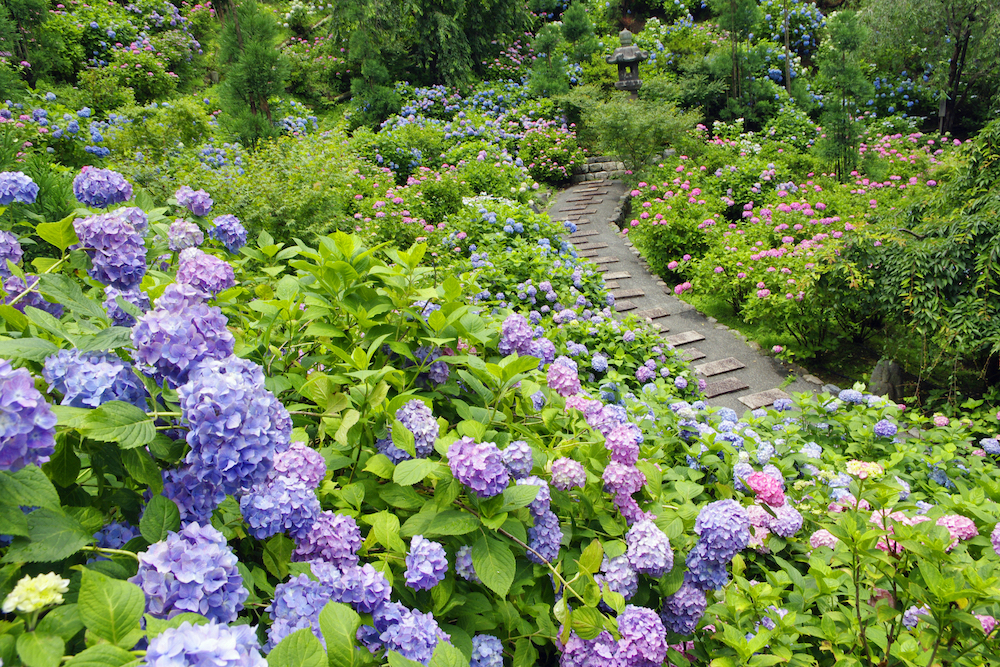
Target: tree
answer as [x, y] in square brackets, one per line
[840, 69]
[635, 130]
[957, 38]
[578, 30]
[255, 70]
[738, 17]
[548, 75]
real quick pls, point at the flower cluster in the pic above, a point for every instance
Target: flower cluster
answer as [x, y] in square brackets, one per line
[649, 549]
[724, 530]
[545, 536]
[229, 231]
[567, 474]
[197, 201]
[184, 234]
[116, 249]
[418, 419]
[518, 458]
[478, 466]
[214, 644]
[333, 538]
[206, 273]
[16, 186]
[426, 564]
[33, 594]
[101, 188]
[28, 425]
[683, 610]
[88, 379]
[279, 505]
[119, 316]
[10, 251]
[296, 604]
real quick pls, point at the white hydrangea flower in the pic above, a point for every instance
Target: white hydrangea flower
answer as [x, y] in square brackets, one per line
[34, 593]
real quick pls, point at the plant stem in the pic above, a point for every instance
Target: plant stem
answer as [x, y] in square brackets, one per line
[110, 552]
[28, 289]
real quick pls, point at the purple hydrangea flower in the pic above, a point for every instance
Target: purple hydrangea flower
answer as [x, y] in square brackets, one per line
[782, 404]
[599, 363]
[487, 651]
[538, 400]
[563, 377]
[644, 374]
[184, 234]
[179, 334]
[620, 576]
[197, 201]
[995, 539]
[579, 652]
[724, 527]
[134, 216]
[426, 564]
[101, 188]
[205, 272]
[16, 186]
[191, 570]
[541, 503]
[463, 564]
[912, 615]
[990, 445]
[229, 231]
[10, 250]
[418, 420]
[334, 538]
[518, 458]
[681, 383]
[89, 379]
[649, 549]
[606, 418]
[683, 610]
[119, 316]
[705, 572]
[196, 498]
[296, 605]
[851, 396]
[567, 474]
[623, 444]
[544, 538]
[885, 429]
[644, 639]
[301, 463]
[410, 633]
[478, 466]
[543, 349]
[786, 522]
[436, 372]
[115, 535]
[279, 505]
[623, 479]
[361, 586]
[208, 645]
[27, 423]
[515, 336]
[628, 336]
[116, 250]
[236, 424]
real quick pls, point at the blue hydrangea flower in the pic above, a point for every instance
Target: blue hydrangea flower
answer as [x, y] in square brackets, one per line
[463, 564]
[419, 420]
[209, 645]
[724, 528]
[27, 423]
[683, 610]
[206, 273]
[542, 349]
[544, 538]
[279, 505]
[885, 429]
[518, 458]
[229, 231]
[515, 336]
[333, 538]
[296, 605]
[115, 535]
[705, 572]
[479, 466]
[410, 633]
[812, 450]
[196, 498]
[197, 201]
[538, 400]
[620, 576]
[89, 379]
[300, 463]
[363, 587]
[599, 363]
[487, 651]
[649, 549]
[426, 564]
[10, 250]
[184, 234]
[643, 640]
[101, 188]
[119, 316]
[235, 424]
[567, 473]
[540, 504]
[990, 445]
[577, 652]
[191, 570]
[852, 396]
[16, 186]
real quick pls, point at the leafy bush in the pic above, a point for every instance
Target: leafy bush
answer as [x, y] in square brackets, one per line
[635, 131]
[550, 152]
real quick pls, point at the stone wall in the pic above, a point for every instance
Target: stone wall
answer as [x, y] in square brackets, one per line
[598, 169]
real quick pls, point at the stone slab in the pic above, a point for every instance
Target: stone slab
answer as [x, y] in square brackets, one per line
[719, 367]
[629, 293]
[684, 338]
[582, 198]
[624, 306]
[588, 253]
[726, 386]
[652, 313]
[606, 260]
[692, 354]
[594, 246]
[762, 398]
[576, 236]
[574, 207]
[612, 285]
[617, 275]
[589, 211]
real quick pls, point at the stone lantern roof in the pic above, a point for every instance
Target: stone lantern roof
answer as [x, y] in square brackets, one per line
[627, 53]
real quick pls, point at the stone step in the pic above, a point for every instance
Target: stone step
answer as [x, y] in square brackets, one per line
[586, 245]
[577, 236]
[617, 275]
[588, 253]
[652, 313]
[624, 306]
[611, 285]
[606, 260]
[719, 367]
[692, 354]
[726, 386]
[762, 398]
[628, 293]
[684, 338]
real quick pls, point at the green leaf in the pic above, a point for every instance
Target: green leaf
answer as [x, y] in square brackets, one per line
[494, 564]
[106, 339]
[46, 321]
[13, 521]
[525, 653]
[446, 655]
[299, 649]
[38, 650]
[63, 621]
[277, 555]
[60, 234]
[397, 660]
[402, 437]
[590, 559]
[52, 536]
[410, 472]
[28, 487]
[111, 608]
[380, 465]
[339, 625]
[15, 319]
[62, 289]
[588, 622]
[161, 517]
[403, 497]
[120, 422]
[155, 626]
[27, 349]
[513, 365]
[614, 600]
[141, 466]
[385, 527]
[64, 466]
[516, 497]
[452, 522]
[101, 655]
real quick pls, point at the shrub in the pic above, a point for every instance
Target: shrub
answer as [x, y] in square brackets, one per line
[550, 153]
[635, 131]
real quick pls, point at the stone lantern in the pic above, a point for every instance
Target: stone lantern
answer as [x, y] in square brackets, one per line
[627, 57]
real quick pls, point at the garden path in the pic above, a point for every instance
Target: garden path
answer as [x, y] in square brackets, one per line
[738, 376]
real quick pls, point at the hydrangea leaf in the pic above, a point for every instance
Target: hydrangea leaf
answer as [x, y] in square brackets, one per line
[516, 497]
[111, 608]
[402, 437]
[101, 655]
[63, 290]
[120, 422]
[16, 319]
[587, 622]
[40, 650]
[452, 522]
[154, 626]
[397, 660]
[339, 625]
[161, 516]
[410, 472]
[28, 487]
[52, 536]
[28, 349]
[590, 559]
[494, 564]
[299, 649]
[446, 655]
[63, 621]
[525, 654]
[60, 234]
[13, 521]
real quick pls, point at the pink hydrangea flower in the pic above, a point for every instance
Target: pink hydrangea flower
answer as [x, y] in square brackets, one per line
[959, 527]
[767, 488]
[822, 538]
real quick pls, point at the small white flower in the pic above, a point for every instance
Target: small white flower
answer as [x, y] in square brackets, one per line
[34, 593]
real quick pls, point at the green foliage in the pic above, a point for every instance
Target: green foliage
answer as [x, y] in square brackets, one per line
[550, 153]
[548, 74]
[578, 30]
[636, 130]
[103, 90]
[144, 73]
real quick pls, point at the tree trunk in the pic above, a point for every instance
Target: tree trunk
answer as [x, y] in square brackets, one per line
[955, 70]
[788, 64]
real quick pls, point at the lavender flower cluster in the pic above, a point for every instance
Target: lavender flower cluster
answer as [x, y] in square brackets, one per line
[119, 316]
[479, 466]
[197, 201]
[16, 186]
[229, 231]
[89, 379]
[10, 251]
[545, 536]
[116, 249]
[426, 564]
[208, 645]
[206, 273]
[101, 188]
[27, 423]
[418, 419]
[643, 643]
[723, 528]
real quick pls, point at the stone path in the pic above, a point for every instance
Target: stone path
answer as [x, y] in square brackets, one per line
[738, 376]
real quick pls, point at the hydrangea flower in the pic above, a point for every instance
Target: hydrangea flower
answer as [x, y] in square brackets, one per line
[516, 334]
[89, 379]
[116, 250]
[426, 564]
[197, 201]
[988, 622]
[32, 594]
[823, 538]
[333, 538]
[235, 424]
[786, 522]
[15, 288]
[543, 349]
[410, 633]
[623, 479]
[361, 586]
[851, 396]
[478, 466]
[196, 498]
[959, 528]
[544, 538]
[705, 572]
[296, 605]
[563, 378]
[10, 250]
[27, 423]
[16, 186]
[101, 188]
[487, 651]
[643, 640]
[279, 505]
[229, 231]
[619, 575]
[623, 444]
[115, 535]
[995, 539]
[990, 445]
[518, 458]
[301, 463]
[184, 234]
[885, 429]
[204, 272]
[864, 469]
[567, 474]
[599, 363]
[418, 419]
[767, 488]
[912, 615]
[683, 610]
[191, 570]
[463, 564]
[724, 528]
[540, 504]
[577, 652]
[649, 549]
[208, 645]
[119, 316]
